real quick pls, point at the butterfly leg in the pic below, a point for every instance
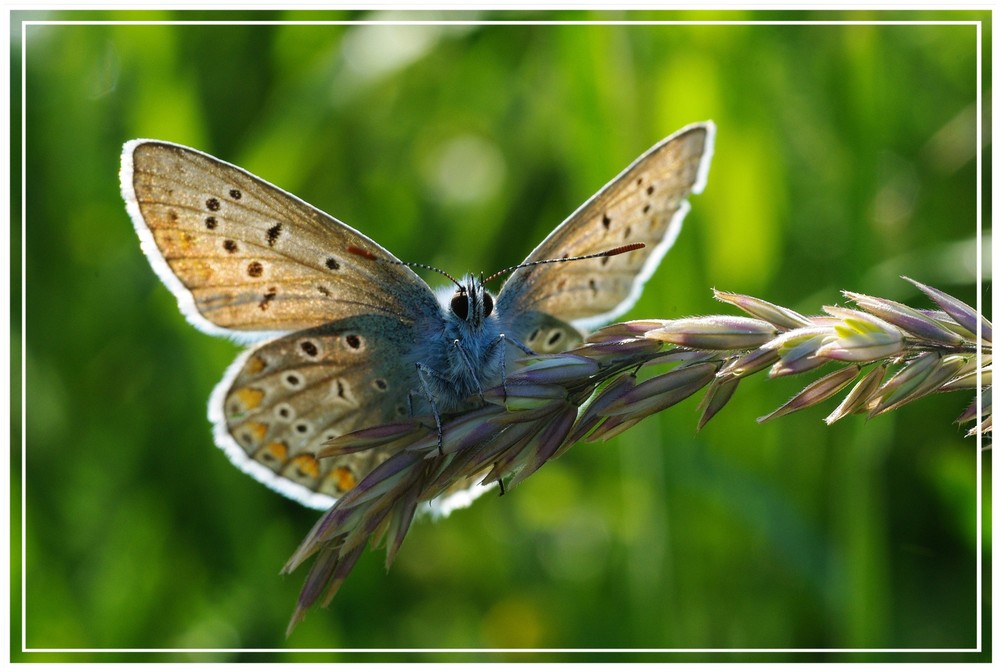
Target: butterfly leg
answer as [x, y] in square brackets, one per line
[423, 373]
[519, 345]
[499, 341]
[467, 360]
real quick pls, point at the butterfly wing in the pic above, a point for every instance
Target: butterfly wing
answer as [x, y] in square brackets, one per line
[280, 401]
[646, 203]
[248, 260]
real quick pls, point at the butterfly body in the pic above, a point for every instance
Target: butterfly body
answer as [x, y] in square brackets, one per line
[461, 356]
[343, 335]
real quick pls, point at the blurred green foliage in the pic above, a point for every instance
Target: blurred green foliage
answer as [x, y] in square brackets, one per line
[845, 157]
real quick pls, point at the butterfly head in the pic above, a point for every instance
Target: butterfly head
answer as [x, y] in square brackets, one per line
[471, 303]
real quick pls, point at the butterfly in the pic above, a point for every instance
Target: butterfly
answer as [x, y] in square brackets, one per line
[344, 336]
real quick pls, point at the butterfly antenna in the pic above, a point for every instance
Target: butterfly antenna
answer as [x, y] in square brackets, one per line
[606, 253]
[428, 267]
[365, 254]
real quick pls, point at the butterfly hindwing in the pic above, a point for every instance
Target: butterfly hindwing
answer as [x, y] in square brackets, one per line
[543, 333]
[644, 204]
[245, 258]
[282, 400]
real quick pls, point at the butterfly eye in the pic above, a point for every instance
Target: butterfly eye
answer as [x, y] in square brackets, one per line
[487, 304]
[460, 305]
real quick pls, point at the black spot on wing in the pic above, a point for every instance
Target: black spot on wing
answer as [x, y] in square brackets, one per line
[273, 233]
[269, 296]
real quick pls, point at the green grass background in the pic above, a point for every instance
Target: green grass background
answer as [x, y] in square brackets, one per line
[845, 157]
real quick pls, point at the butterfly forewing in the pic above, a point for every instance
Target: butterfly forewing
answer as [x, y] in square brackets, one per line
[644, 204]
[244, 256]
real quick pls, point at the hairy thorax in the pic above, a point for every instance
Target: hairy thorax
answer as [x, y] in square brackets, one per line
[460, 358]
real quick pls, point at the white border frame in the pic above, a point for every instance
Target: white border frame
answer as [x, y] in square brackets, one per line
[449, 8]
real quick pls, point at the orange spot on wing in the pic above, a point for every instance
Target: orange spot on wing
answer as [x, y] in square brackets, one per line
[279, 449]
[199, 273]
[360, 252]
[255, 365]
[250, 397]
[273, 454]
[258, 429]
[343, 478]
[305, 464]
